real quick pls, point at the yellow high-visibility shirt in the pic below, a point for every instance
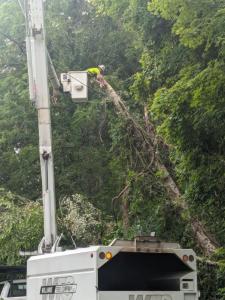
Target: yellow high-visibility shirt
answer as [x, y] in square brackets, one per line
[93, 71]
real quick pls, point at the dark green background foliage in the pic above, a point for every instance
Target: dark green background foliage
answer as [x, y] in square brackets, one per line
[167, 55]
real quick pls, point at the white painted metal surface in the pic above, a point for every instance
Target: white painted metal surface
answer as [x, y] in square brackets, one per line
[65, 81]
[79, 86]
[76, 83]
[143, 295]
[32, 92]
[39, 93]
[73, 275]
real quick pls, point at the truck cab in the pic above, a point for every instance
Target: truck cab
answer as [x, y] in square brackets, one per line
[15, 289]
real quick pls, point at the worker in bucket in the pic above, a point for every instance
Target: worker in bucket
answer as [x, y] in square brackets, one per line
[97, 72]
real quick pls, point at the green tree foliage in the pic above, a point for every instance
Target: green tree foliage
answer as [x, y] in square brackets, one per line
[166, 55]
[81, 220]
[21, 222]
[190, 110]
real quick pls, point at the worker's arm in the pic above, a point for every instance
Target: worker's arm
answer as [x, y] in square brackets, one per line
[101, 80]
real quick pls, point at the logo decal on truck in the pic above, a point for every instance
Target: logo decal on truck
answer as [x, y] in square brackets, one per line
[150, 297]
[58, 288]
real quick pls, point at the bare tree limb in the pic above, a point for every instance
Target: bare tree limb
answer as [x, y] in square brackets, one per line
[205, 241]
[11, 39]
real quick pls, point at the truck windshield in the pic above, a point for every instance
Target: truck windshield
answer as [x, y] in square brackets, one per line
[129, 271]
[17, 289]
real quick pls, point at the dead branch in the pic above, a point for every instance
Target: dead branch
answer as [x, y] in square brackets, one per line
[148, 134]
[120, 194]
[102, 123]
[11, 39]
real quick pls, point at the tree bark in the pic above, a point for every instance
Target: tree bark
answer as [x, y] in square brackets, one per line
[148, 134]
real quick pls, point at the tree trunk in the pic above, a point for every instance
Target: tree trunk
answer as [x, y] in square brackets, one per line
[205, 241]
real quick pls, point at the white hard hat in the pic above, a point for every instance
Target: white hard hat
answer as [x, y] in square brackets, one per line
[102, 67]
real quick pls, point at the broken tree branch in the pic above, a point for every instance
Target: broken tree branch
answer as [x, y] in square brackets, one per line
[205, 241]
[11, 39]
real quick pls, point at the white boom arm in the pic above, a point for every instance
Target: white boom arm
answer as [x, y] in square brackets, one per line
[39, 93]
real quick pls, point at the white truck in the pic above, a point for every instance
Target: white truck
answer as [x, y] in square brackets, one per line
[13, 289]
[143, 269]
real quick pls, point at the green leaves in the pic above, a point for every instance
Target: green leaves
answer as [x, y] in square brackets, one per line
[17, 229]
[165, 55]
[82, 220]
[196, 23]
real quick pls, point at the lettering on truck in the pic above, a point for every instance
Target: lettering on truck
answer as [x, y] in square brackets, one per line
[149, 297]
[62, 287]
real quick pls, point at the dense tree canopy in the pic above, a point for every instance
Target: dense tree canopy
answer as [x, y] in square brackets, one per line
[165, 58]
